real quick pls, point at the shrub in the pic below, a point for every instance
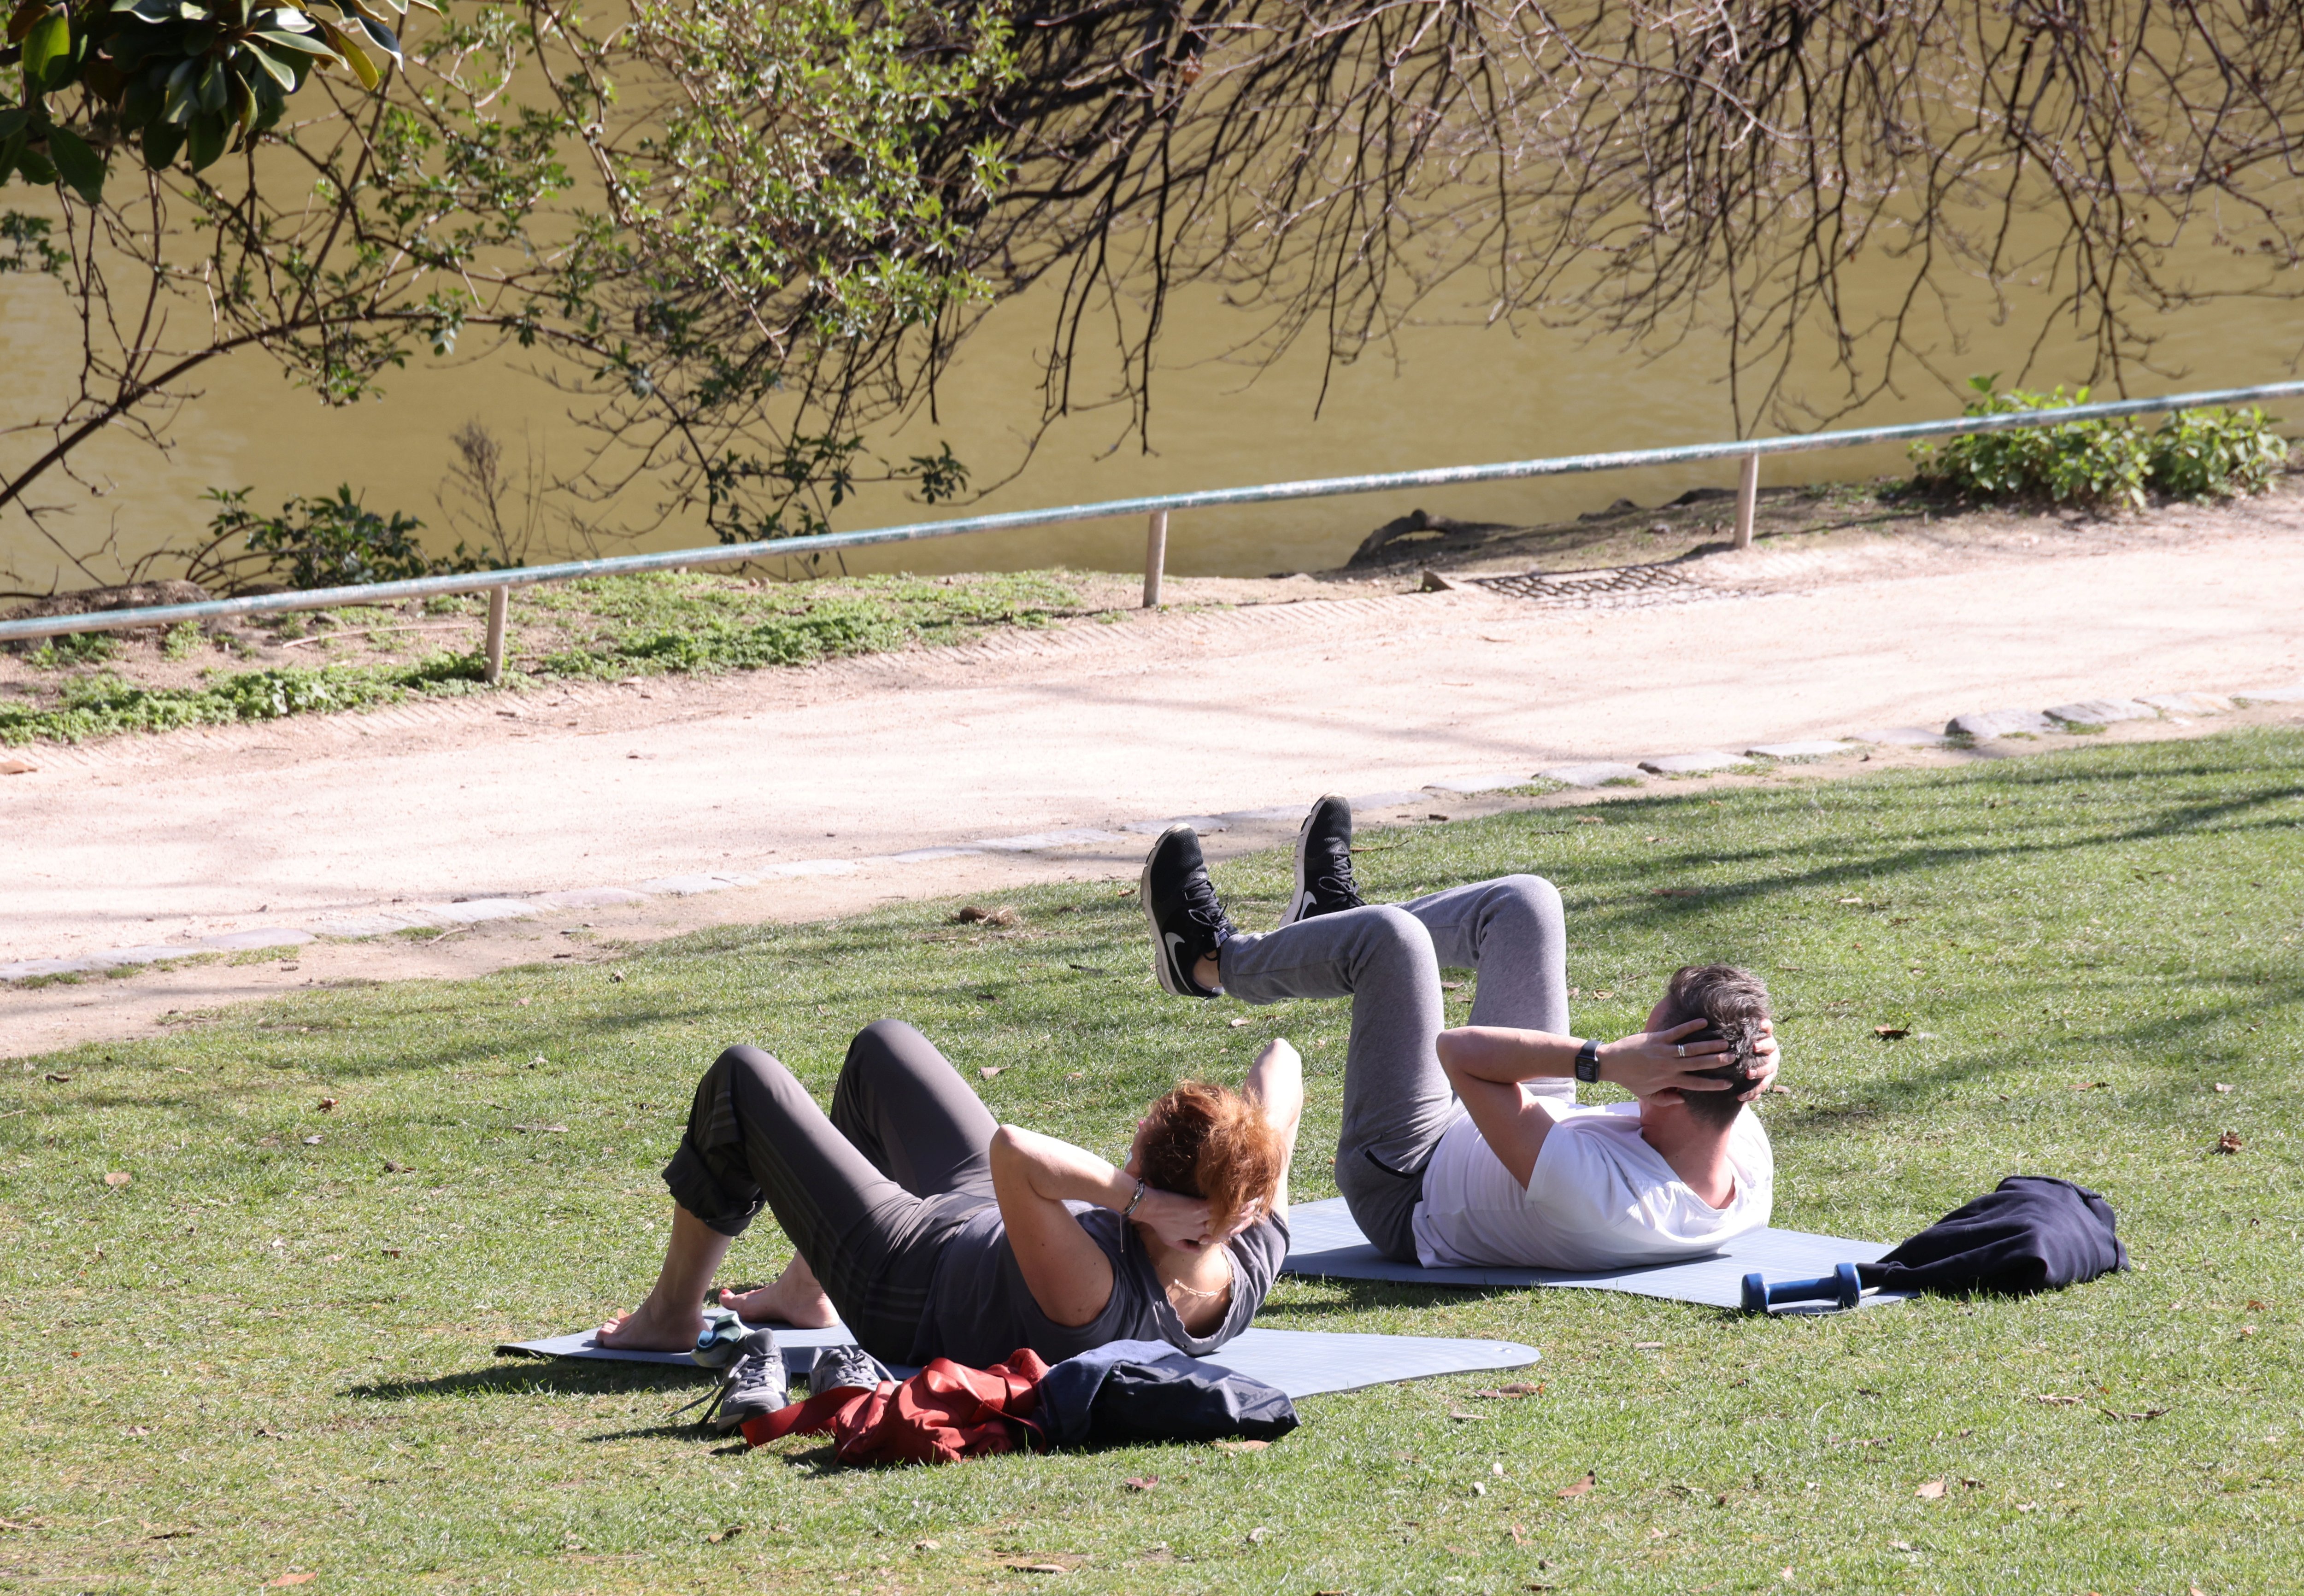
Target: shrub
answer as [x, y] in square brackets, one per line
[2214, 454]
[2088, 462]
[2194, 454]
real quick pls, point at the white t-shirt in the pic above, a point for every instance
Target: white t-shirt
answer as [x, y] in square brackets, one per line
[1599, 1197]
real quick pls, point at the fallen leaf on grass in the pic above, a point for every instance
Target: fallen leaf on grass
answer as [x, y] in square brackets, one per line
[1578, 1489]
[118, 1178]
[2147, 1414]
[2090, 1086]
[2229, 1142]
[268, 1141]
[1255, 1536]
[730, 1533]
[1675, 891]
[17, 767]
[290, 1579]
[1518, 1539]
[1465, 1418]
[1235, 1024]
[970, 914]
[542, 1130]
[311, 1141]
[390, 1252]
[1891, 1033]
[1142, 1481]
[2054, 1401]
[928, 1546]
[2223, 1086]
[1241, 1446]
[2253, 1306]
[989, 1070]
[391, 1168]
[1930, 1490]
[176, 1534]
[59, 1079]
[1024, 1567]
[327, 1104]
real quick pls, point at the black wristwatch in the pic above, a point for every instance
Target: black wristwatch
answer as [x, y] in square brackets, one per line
[1588, 1061]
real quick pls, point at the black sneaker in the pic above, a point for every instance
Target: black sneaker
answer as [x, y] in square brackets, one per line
[1324, 863]
[754, 1386]
[1188, 921]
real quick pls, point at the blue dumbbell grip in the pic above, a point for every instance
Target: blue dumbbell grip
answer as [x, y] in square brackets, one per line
[1843, 1285]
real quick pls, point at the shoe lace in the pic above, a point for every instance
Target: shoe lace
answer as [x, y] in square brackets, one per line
[1337, 881]
[1205, 909]
[750, 1370]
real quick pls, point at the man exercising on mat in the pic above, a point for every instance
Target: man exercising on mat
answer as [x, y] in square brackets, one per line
[1466, 1146]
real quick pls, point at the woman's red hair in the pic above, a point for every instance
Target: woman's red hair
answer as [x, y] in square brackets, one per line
[1207, 1141]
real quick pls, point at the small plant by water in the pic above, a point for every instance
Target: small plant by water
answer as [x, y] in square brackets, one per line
[2193, 454]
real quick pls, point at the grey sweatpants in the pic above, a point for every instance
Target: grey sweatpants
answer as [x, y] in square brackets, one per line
[1387, 958]
[868, 1195]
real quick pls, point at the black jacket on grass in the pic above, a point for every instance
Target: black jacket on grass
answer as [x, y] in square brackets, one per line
[2030, 1233]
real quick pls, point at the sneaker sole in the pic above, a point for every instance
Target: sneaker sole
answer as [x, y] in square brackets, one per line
[1302, 900]
[1162, 966]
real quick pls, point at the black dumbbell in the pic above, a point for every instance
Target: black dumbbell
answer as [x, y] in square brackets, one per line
[1842, 1287]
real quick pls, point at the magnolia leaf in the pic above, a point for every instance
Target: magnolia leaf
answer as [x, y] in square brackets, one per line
[353, 56]
[162, 140]
[288, 20]
[277, 71]
[386, 39]
[154, 12]
[79, 166]
[13, 120]
[207, 140]
[176, 109]
[37, 170]
[296, 43]
[48, 43]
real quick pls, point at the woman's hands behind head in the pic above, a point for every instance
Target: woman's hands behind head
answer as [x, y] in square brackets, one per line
[1175, 1219]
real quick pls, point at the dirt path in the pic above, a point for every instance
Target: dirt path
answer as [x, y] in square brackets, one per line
[832, 768]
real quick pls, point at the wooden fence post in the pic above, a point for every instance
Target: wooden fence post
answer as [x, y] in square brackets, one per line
[1155, 558]
[496, 601]
[1748, 498]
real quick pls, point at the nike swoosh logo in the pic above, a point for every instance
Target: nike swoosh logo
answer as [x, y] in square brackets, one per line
[1179, 951]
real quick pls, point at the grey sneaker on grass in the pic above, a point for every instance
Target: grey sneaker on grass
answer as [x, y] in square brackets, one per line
[751, 1387]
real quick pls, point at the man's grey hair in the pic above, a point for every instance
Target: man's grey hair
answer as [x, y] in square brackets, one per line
[1735, 1004]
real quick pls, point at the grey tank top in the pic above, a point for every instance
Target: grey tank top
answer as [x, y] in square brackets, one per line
[980, 1310]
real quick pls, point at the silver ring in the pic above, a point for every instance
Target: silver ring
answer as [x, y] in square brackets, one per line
[1680, 1051]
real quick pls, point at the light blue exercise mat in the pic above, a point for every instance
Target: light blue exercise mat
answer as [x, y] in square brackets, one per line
[1300, 1363]
[1324, 1243]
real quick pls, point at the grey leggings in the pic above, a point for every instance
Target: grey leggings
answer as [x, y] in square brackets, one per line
[1387, 958]
[869, 1196]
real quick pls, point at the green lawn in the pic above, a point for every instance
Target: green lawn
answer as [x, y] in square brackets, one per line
[269, 1355]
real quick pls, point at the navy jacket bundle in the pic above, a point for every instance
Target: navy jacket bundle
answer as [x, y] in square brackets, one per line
[2030, 1233]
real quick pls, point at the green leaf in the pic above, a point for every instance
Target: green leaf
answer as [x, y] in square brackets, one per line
[176, 107]
[211, 88]
[35, 167]
[162, 140]
[385, 39]
[353, 55]
[296, 43]
[13, 120]
[48, 43]
[278, 72]
[207, 141]
[80, 166]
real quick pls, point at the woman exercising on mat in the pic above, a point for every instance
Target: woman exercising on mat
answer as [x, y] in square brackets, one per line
[933, 1231]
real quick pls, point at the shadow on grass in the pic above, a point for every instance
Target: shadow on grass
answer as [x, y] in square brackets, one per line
[557, 1377]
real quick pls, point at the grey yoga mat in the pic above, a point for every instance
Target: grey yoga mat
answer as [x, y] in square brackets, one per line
[1300, 1363]
[1323, 1242]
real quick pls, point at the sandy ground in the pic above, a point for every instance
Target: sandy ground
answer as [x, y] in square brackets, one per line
[1359, 690]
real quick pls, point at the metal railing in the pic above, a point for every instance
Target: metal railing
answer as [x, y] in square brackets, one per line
[1157, 507]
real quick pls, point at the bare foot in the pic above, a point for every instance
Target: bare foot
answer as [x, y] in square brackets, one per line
[794, 1297]
[650, 1329]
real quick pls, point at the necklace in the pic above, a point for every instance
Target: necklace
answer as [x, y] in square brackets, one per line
[1206, 1295]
